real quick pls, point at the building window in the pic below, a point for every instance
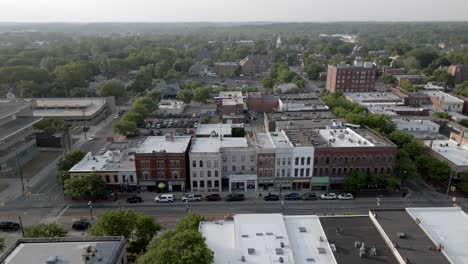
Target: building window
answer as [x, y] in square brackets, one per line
[252, 168]
[289, 161]
[201, 163]
[308, 161]
[194, 163]
[277, 173]
[333, 171]
[315, 172]
[327, 160]
[224, 168]
[116, 179]
[175, 174]
[209, 173]
[233, 168]
[302, 172]
[194, 184]
[124, 178]
[233, 158]
[216, 184]
[216, 173]
[202, 174]
[375, 170]
[278, 161]
[145, 175]
[145, 164]
[307, 172]
[242, 158]
[131, 178]
[282, 173]
[260, 160]
[288, 173]
[243, 168]
[284, 161]
[296, 172]
[194, 174]
[159, 164]
[302, 161]
[224, 158]
[252, 158]
[208, 163]
[260, 173]
[202, 184]
[216, 164]
[175, 164]
[208, 184]
[297, 161]
[107, 179]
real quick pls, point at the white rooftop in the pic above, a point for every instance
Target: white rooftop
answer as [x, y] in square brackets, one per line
[230, 94]
[220, 129]
[430, 86]
[405, 121]
[263, 235]
[345, 137]
[446, 98]
[280, 140]
[450, 150]
[448, 226]
[170, 104]
[233, 101]
[112, 160]
[264, 141]
[178, 144]
[58, 107]
[373, 97]
[214, 144]
[66, 252]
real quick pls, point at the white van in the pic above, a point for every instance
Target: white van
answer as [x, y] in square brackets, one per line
[164, 198]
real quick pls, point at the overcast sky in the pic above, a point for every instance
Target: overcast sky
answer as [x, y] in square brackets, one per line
[231, 10]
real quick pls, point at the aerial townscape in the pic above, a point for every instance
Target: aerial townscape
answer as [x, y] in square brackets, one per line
[159, 139]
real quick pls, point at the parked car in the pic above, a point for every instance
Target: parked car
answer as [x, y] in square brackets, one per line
[328, 196]
[213, 197]
[271, 197]
[9, 226]
[309, 196]
[192, 198]
[135, 199]
[102, 151]
[81, 225]
[292, 196]
[91, 138]
[164, 198]
[233, 197]
[345, 196]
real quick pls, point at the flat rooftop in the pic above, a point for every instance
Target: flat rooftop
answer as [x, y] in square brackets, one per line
[178, 144]
[343, 232]
[214, 129]
[447, 226]
[258, 237]
[214, 144]
[67, 250]
[415, 245]
[109, 161]
[263, 141]
[444, 97]
[373, 97]
[301, 115]
[413, 121]
[450, 150]
[8, 107]
[304, 124]
[15, 126]
[58, 107]
[232, 101]
[230, 94]
[280, 140]
[344, 138]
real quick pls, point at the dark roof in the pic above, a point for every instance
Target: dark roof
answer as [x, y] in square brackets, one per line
[416, 246]
[343, 232]
[17, 125]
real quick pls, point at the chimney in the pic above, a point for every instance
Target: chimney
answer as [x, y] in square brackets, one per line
[170, 137]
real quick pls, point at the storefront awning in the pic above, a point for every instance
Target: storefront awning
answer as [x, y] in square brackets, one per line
[320, 181]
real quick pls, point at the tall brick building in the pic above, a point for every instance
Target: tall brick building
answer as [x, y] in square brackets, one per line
[163, 160]
[345, 78]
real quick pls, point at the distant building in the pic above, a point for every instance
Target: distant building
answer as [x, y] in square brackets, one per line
[420, 128]
[86, 250]
[231, 103]
[261, 103]
[285, 87]
[454, 151]
[245, 43]
[225, 68]
[443, 102]
[161, 161]
[198, 69]
[255, 64]
[171, 107]
[300, 102]
[17, 139]
[412, 78]
[359, 77]
[459, 73]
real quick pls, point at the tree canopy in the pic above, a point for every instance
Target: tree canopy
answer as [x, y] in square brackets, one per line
[111, 88]
[44, 231]
[88, 187]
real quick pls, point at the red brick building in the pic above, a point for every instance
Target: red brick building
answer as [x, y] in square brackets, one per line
[261, 103]
[255, 64]
[345, 78]
[459, 73]
[163, 162]
[225, 68]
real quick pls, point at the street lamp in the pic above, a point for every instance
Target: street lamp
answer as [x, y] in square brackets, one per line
[186, 206]
[450, 181]
[90, 203]
[21, 225]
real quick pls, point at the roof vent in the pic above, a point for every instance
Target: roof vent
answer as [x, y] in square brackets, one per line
[281, 260]
[245, 235]
[279, 251]
[52, 260]
[243, 258]
[302, 229]
[310, 259]
[259, 234]
[251, 251]
[401, 235]
[321, 250]
[269, 234]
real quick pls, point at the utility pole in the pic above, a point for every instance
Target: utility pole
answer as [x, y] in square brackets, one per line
[91, 210]
[84, 124]
[450, 181]
[21, 225]
[20, 171]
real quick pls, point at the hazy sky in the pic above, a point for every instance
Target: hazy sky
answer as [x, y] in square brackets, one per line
[230, 10]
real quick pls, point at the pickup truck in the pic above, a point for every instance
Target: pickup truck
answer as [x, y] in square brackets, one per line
[192, 198]
[234, 197]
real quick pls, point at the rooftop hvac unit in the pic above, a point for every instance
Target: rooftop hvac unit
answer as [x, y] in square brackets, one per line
[281, 260]
[243, 258]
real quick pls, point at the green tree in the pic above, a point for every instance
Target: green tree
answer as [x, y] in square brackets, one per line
[155, 95]
[464, 122]
[184, 95]
[268, 82]
[50, 125]
[111, 88]
[89, 187]
[406, 168]
[294, 90]
[356, 182]
[29, 89]
[463, 185]
[114, 66]
[388, 79]
[73, 74]
[124, 127]
[136, 227]
[443, 115]
[70, 159]
[190, 221]
[201, 94]
[44, 231]
[205, 119]
[313, 70]
[462, 89]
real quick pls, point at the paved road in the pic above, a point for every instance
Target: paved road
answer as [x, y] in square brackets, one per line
[310, 86]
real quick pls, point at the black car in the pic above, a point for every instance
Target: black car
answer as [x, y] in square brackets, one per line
[233, 197]
[213, 197]
[292, 196]
[134, 200]
[9, 226]
[80, 225]
[271, 197]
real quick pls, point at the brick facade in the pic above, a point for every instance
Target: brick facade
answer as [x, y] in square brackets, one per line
[351, 79]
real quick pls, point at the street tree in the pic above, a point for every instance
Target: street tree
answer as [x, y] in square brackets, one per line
[190, 221]
[111, 88]
[44, 231]
[313, 70]
[124, 127]
[73, 74]
[136, 227]
[184, 95]
[155, 95]
[70, 159]
[89, 187]
[463, 181]
[268, 82]
[201, 94]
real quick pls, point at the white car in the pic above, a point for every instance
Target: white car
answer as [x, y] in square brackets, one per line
[345, 196]
[328, 196]
[164, 198]
[91, 138]
[116, 116]
[102, 150]
[192, 198]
